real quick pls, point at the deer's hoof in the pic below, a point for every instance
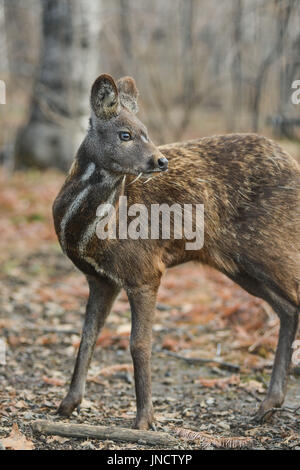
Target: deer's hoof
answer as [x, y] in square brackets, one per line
[68, 405]
[261, 417]
[142, 425]
[266, 409]
[144, 421]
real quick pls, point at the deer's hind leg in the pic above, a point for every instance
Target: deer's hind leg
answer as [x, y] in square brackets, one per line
[101, 298]
[288, 313]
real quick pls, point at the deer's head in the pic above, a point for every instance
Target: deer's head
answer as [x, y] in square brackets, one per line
[119, 139]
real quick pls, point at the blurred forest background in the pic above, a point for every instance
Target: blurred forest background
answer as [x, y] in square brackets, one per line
[202, 67]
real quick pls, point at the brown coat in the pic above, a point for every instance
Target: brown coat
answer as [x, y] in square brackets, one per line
[250, 189]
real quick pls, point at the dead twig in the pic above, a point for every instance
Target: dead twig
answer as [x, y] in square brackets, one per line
[276, 410]
[201, 360]
[113, 433]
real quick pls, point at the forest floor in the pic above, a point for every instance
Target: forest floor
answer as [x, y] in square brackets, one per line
[200, 314]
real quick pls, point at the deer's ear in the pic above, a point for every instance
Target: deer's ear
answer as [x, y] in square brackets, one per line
[128, 93]
[105, 97]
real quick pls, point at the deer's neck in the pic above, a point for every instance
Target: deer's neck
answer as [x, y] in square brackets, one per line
[105, 185]
[86, 188]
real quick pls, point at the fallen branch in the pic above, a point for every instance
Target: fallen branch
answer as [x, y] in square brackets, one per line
[201, 360]
[113, 433]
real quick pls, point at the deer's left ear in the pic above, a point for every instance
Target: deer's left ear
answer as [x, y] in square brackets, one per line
[128, 93]
[105, 97]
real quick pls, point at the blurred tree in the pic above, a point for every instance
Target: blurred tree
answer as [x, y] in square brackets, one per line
[283, 10]
[236, 71]
[125, 29]
[288, 72]
[202, 67]
[69, 63]
[188, 69]
[3, 41]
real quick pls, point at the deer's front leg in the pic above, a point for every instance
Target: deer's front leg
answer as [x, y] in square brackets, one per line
[142, 302]
[101, 298]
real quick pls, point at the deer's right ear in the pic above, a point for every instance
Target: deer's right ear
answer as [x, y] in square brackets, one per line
[128, 93]
[105, 97]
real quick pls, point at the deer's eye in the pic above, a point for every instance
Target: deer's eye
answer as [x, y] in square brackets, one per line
[125, 136]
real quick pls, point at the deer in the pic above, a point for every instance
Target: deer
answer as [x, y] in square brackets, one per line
[250, 189]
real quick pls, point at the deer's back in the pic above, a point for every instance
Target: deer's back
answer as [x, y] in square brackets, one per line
[250, 189]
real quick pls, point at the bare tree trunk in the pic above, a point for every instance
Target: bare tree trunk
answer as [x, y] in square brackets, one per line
[237, 63]
[3, 42]
[69, 62]
[188, 68]
[284, 11]
[20, 25]
[187, 23]
[125, 37]
[19, 33]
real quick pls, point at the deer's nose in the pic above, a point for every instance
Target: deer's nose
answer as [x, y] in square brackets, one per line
[162, 163]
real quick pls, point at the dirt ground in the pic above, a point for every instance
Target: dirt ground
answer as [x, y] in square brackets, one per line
[200, 314]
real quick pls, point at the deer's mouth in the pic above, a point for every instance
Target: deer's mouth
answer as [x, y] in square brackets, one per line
[157, 170]
[138, 172]
[145, 175]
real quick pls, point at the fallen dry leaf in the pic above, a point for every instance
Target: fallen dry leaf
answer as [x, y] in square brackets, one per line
[21, 404]
[111, 370]
[253, 386]
[53, 381]
[59, 439]
[16, 440]
[219, 383]
[47, 339]
[124, 329]
[293, 436]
